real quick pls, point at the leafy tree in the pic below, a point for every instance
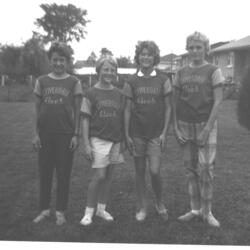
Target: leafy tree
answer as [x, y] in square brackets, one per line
[92, 59]
[124, 62]
[10, 60]
[34, 57]
[105, 51]
[62, 22]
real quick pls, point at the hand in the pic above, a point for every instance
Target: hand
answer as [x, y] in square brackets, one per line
[203, 137]
[162, 139]
[73, 144]
[130, 145]
[88, 152]
[36, 142]
[179, 136]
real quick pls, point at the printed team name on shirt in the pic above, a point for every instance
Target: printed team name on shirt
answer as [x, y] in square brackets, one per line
[108, 108]
[191, 84]
[54, 95]
[146, 95]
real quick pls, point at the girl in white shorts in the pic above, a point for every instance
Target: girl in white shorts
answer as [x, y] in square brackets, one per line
[102, 117]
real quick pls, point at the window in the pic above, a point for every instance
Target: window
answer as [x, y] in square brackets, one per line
[216, 60]
[230, 59]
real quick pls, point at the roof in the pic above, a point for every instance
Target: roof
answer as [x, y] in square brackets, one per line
[80, 64]
[91, 71]
[168, 57]
[235, 45]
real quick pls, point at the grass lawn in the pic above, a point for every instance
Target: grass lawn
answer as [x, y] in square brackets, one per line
[19, 191]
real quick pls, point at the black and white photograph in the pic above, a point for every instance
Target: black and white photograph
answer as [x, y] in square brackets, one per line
[124, 123]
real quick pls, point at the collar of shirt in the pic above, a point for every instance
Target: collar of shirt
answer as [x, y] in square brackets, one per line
[153, 73]
[55, 77]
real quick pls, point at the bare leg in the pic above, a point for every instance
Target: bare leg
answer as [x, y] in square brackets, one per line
[140, 166]
[105, 186]
[154, 167]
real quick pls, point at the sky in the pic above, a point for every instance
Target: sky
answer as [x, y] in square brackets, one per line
[119, 24]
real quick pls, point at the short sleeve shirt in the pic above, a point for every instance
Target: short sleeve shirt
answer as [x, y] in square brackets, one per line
[57, 107]
[148, 105]
[105, 109]
[196, 85]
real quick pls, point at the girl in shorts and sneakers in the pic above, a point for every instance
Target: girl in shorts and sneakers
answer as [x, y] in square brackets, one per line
[102, 121]
[198, 93]
[147, 116]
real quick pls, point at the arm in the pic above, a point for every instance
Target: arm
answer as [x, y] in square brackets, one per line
[218, 97]
[77, 106]
[85, 132]
[177, 132]
[36, 140]
[127, 114]
[167, 117]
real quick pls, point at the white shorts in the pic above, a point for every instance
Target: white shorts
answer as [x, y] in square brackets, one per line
[105, 153]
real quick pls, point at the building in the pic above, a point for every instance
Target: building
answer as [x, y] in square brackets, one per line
[88, 75]
[183, 59]
[233, 58]
[168, 63]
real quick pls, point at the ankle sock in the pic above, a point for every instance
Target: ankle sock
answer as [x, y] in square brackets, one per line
[89, 211]
[101, 207]
[196, 212]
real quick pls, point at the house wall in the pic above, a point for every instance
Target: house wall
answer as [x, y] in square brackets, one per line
[242, 64]
[223, 62]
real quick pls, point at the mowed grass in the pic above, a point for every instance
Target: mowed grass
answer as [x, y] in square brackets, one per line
[19, 191]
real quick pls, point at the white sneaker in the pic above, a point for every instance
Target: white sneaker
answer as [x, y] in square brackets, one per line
[60, 218]
[86, 220]
[141, 215]
[188, 216]
[42, 216]
[212, 221]
[104, 215]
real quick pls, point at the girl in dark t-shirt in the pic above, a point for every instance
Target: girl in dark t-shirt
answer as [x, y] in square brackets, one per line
[58, 100]
[102, 116]
[147, 116]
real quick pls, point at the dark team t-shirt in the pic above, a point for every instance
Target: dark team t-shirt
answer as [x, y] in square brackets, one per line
[105, 108]
[147, 95]
[196, 86]
[57, 108]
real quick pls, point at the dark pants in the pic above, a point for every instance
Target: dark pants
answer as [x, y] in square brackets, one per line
[55, 154]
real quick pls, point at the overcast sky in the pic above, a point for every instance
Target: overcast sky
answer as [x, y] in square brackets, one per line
[119, 24]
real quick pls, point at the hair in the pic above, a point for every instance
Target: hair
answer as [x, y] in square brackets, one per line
[62, 49]
[152, 48]
[197, 36]
[243, 107]
[105, 58]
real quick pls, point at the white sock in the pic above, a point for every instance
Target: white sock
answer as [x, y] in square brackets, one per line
[196, 212]
[89, 211]
[101, 207]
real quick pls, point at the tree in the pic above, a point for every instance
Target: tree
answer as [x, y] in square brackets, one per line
[92, 59]
[105, 51]
[124, 62]
[62, 22]
[34, 57]
[10, 60]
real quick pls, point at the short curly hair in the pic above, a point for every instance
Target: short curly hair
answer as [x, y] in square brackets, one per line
[105, 58]
[151, 46]
[197, 36]
[61, 49]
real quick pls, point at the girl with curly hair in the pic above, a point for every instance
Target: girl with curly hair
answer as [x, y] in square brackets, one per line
[147, 116]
